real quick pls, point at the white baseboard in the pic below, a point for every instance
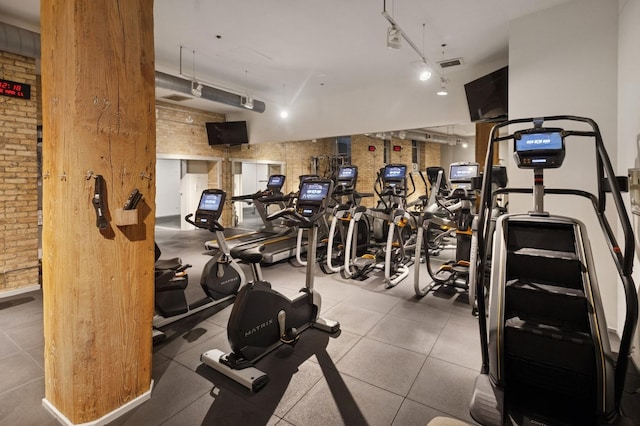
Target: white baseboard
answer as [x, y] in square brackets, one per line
[20, 290]
[107, 418]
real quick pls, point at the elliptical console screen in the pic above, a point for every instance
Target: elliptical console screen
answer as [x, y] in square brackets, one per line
[539, 149]
[275, 182]
[463, 172]
[210, 201]
[347, 172]
[314, 191]
[394, 173]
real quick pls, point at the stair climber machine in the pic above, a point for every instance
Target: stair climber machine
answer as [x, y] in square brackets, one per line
[221, 275]
[456, 215]
[546, 356]
[261, 200]
[346, 199]
[500, 202]
[391, 224]
[263, 319]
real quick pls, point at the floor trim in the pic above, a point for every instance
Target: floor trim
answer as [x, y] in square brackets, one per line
[20, 290]
[107, 418]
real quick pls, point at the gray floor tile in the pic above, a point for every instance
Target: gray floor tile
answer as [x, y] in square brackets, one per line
[185, 334]
[459, 344]
[18, 369]
[340, 399]
[27, 335]
[353, 319]
[444, 386]
[422, 311]
[336, 347]
[7, 346]
[406, 334]
[379, 364]
[221, 318]
[289, 380]
[175, 387]
[220, 408]
[415, 414]
[23, 406]
[191, 357]
[37, 354]
[373, 301]
[20, 309]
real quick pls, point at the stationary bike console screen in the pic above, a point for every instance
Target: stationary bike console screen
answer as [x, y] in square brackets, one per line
[394, 172]
[539, 148]
[276, 182]
[210, 207]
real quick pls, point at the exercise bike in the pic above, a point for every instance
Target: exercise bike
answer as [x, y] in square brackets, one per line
[263, 319]
[221, 275]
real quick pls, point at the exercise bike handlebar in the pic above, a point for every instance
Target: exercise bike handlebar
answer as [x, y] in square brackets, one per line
[212, 226]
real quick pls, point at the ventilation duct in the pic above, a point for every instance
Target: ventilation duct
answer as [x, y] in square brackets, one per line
[181, 85]
[27, 43]
[19, 41]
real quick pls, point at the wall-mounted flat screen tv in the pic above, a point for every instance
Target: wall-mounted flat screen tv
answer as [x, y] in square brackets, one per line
[488, 96]
[227, 133]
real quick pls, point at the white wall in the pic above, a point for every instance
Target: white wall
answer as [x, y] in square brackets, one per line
[409, 104]
[629, 116]
[563, 61]
[167, 187]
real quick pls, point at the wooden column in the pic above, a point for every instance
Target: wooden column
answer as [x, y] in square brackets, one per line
[483, 132]
[98, 119]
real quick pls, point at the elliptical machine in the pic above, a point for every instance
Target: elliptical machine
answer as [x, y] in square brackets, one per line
[221, 275]
[263, 319]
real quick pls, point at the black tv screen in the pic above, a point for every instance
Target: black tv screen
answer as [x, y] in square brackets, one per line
[488, 96]
[227, 133]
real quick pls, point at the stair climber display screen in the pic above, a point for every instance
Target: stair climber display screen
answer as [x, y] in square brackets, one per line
[346, 173]
[540, 149]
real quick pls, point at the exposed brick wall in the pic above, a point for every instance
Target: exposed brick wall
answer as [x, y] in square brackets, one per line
[18, 178]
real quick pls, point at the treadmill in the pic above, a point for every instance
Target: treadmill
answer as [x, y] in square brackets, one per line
[261, 200]
[280, 246]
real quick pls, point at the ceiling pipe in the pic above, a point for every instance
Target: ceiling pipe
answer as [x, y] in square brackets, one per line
[19, 41]
[27, 43]
[213, 94]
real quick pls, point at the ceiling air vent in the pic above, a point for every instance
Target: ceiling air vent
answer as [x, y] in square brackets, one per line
[176, 98]
[448, 63]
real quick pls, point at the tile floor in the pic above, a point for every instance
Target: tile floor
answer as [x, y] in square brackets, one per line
[398, 360]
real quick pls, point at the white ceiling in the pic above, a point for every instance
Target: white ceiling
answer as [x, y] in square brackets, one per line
[284, 50]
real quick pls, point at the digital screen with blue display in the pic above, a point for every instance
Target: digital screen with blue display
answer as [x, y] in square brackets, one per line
[275, 181]
[346, 172]
[311, 191]
[539, 142]
[463, 172]
[394, 173]
[210, 201]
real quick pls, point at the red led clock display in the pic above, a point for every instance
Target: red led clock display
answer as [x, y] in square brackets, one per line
[14, 89]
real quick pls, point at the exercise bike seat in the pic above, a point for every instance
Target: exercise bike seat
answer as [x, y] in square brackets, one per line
[172, 264]
[252, 255]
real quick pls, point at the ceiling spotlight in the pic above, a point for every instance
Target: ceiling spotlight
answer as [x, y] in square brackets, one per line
[284, 113]
[196, 89]
[443, 87]
[393, 37]
[425, 72]
[247, 101]
[465, 144]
